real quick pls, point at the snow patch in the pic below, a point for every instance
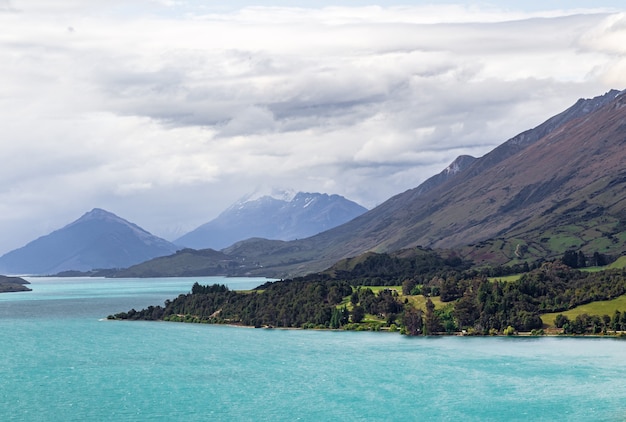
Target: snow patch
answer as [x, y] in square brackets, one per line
[286, 195]
[308, 201]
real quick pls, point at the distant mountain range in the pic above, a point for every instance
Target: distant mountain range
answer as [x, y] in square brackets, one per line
[102, 240]
[557, 187]
[98, 239]
[279, 216]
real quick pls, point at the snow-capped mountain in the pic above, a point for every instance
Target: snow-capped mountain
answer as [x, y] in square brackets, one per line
[281, 215]
[286, 195]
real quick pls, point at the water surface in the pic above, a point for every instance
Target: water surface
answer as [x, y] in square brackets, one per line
[62, 362]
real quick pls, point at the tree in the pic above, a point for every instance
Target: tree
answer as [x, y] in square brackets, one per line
[465, 311]
[345, 315]
[196, 288]
[606, 323]
[432, 324]
[623, 321]
[354, 298]
[580, 324]
[412, 321]
[358, 313]
[561, 320]
[335, 295]
[446, 317]
[599, 260]
[367, 299]
[616, 323]
[407, 286]
[335, 319]
[570, 258]
[450, 290]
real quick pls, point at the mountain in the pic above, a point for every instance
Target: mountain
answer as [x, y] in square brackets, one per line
[279, 217]
[560, 185]
[516, 144]
[457, 166]
[557, 187]
[98, 239]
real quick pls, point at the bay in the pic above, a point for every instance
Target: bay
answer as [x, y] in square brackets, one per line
[62, 361]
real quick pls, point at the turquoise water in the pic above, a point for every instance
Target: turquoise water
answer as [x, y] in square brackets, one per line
[60, 361]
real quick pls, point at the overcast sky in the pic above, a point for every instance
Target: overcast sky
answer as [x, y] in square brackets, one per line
[166, 112]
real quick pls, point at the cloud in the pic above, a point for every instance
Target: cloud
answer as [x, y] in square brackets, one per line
[167, 112]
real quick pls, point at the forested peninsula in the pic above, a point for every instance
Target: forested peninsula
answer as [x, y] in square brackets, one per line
[416, 293]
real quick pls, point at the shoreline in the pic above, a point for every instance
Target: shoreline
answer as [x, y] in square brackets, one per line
[523, 334]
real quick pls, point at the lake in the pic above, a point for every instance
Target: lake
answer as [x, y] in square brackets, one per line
[63, 361]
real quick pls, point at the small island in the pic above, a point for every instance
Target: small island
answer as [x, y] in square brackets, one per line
[13, 284]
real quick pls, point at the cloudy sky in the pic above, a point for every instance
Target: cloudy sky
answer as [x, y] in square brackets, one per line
[167, 111]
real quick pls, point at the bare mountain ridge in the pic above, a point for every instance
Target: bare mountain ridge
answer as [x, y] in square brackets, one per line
[567, 168]
[470, 166]
[565, 178]
[519, 142]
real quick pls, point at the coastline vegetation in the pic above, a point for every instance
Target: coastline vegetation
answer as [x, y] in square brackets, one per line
[419, 294]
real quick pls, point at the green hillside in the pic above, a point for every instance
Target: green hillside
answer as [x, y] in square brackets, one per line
[599, 308]
[184, 263]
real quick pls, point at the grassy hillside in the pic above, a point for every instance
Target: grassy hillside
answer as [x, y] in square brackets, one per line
[184, 263]
[603, 307]
[619, 263]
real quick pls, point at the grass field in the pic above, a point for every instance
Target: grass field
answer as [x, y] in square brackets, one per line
[619, 263]
[604, 307]
[506, 278]
[419, 301]
[377, 289]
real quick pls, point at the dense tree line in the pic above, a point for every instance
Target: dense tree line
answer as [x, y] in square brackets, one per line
[472, 302]
[592, 324]
[215, 288]
[286, 303]
[418, 265]
[502, 270]
[578, 259]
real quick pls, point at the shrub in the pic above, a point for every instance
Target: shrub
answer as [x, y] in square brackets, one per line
[509, 331]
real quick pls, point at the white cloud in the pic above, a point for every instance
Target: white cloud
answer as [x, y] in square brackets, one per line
[166, 112]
